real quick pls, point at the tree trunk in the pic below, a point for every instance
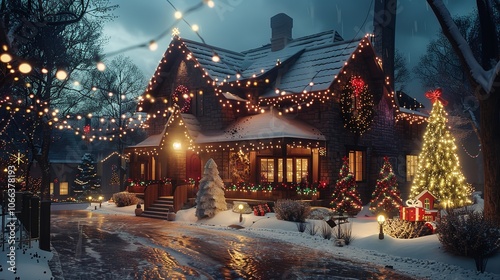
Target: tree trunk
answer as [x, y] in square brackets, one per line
[490, 143]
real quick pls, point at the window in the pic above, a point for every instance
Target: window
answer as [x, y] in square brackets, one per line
[356, 164]
[267, 170]
[51, 188]
[427, 203]
[411, 167]
[301, 170]
[292, 169]
[63, 188]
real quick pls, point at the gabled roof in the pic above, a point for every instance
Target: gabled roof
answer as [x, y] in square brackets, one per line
[320, 58]
[422, 193]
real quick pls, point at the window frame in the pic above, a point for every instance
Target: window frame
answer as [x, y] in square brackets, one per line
[355, 165]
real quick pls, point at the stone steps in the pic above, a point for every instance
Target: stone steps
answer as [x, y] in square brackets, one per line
[163, 208]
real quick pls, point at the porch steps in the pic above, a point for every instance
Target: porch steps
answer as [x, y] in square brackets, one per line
[160, 208]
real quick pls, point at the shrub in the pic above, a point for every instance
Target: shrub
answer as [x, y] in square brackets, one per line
[125, 199]
[465, 232]
[344, 233]
[292, 210]
[405, 229]
[313, 229]
[326, 231]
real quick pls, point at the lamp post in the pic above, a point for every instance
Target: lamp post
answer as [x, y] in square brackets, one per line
[381, 222]
[240, 208]
[100, 200]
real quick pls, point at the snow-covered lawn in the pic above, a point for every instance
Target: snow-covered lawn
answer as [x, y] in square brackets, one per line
[420, 257]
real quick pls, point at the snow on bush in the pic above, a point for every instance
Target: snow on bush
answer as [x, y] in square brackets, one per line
[292, 210]
[465, 232]
[122, 199]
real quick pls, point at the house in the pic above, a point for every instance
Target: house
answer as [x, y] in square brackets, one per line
[277, 118]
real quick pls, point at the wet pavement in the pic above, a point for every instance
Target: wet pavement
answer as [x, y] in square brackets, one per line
[97, 246]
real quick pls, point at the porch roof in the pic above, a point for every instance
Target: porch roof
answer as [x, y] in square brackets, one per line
[151, 141]
[268, 125]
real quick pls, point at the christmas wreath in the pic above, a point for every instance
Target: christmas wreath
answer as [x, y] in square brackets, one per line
[182, 92]
[356, 104]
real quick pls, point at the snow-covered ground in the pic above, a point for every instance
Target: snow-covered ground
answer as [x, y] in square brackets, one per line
[421, 257]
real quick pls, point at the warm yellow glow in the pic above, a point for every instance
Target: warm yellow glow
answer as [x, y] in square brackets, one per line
[61, 74]
[177, 145]
[101, 66]
[153, 45]
[24, 68]
[5, 58]
[178, 15]
[381, 219]
[195, 27]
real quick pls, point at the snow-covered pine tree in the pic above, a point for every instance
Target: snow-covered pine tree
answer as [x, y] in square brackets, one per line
[210, 198]
[87, 183]
[438, 169]
[386, 196]
[345, 197]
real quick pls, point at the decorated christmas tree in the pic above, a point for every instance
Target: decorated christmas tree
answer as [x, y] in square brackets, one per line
[345, 198]
[386, 197]
[438, 169]
[87, 183]
[210, 198]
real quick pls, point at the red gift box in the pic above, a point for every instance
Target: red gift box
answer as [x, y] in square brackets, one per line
[413, 214]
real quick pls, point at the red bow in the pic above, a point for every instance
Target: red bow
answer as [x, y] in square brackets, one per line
[434, 95]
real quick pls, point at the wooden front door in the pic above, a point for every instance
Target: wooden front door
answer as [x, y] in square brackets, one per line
[193, 165]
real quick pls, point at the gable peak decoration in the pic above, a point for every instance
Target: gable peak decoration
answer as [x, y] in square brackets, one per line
[356, 105]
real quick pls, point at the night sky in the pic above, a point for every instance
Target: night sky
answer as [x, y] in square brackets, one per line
[240, 25]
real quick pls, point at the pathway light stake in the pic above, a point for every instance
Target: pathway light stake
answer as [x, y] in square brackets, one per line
[381, 222]
[240, 208]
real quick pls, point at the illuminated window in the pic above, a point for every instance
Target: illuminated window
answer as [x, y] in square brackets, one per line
[294, 169]
[411, 167]
[301, 170]
[356, 164]
[267, 170]
[51, 188]
[63, 188]
[427, 203]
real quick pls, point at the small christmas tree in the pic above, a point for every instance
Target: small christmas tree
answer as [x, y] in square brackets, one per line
[87, 183]
[210, 198]
[345, 198]
[438, 169]
[115, 179]
[386, 197]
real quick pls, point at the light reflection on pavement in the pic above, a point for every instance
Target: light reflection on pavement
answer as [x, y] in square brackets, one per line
[97, 246]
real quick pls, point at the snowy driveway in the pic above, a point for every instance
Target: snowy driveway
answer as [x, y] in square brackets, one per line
[97, 246]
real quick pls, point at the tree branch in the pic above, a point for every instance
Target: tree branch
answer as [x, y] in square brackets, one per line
[477, 74]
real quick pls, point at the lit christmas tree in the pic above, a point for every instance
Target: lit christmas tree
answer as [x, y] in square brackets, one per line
[210, 198]
[115, 179]
[345, 198]
[87, 183]
[438, 169]
[386, 197]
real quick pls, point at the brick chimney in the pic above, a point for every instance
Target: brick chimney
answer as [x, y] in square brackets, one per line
[281, 27]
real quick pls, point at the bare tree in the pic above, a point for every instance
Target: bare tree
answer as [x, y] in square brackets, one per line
[401, 72]
[484, 79]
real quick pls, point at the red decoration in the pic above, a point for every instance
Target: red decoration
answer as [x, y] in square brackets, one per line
[434, 95]
[86, 129]
[412, 214]
[358, 85]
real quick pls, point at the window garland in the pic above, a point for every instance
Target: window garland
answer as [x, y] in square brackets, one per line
[356, 104]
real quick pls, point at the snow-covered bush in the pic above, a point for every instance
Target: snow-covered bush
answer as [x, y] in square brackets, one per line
[405, 229]
[344, 232]
[320, 213]
[326, 231]
[122, 199]
[292, 210]
[465, 232]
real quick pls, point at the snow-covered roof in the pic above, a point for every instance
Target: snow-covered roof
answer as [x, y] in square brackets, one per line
[268, 125]
[320, 57]
[413, 112]
[151, 141]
